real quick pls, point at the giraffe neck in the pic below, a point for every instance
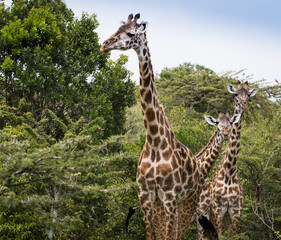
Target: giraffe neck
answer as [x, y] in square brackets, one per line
[155, 121]
[208, 155]
[233, 147]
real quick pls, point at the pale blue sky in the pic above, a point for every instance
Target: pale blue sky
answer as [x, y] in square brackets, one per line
[219, 34]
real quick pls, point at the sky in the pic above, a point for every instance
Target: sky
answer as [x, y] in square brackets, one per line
[222, 35]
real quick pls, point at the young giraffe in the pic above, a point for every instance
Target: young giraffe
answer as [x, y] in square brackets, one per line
[206, 158]
[223, 193]
[167, 170]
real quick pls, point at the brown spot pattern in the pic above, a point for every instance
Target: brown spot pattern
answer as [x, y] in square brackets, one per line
[153, 129]
[152, 155]
[167, 154]
[158, 158]
[157, 141]
[148, 97]
[161, 130]
[164, 144]
[150, 114]
[150, 174]
[163, 169]
[144, 167]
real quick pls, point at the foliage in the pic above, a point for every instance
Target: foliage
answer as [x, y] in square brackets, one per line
[71, 135]
[204, 90]
[51, 66]
[60, 99]
[70, 186]
[259, 165]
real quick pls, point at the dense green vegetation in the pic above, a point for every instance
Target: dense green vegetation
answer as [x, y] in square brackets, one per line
[71, 131]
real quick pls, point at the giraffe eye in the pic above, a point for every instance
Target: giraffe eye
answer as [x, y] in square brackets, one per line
[130, 34]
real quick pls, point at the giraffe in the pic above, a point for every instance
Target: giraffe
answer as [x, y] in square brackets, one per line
[223, 193]
[167, 171]
[205, 158]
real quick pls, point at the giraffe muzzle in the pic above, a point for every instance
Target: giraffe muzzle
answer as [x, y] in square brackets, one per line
[225, 136]
[104, 46]
[244, 105]
[107, 45]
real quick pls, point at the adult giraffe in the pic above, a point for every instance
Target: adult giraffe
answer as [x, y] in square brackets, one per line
[167, 170]
[223, 193]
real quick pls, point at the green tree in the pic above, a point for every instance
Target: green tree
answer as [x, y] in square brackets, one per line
[60, 99]
[51, 61]
[259, 165]
[204, 90]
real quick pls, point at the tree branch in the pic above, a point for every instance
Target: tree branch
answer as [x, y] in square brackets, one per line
[263, 220]
[18, 112]
[32, 181]
[269, 159]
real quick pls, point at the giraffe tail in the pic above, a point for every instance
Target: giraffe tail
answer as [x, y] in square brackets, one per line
[132, 211]
[209, 229]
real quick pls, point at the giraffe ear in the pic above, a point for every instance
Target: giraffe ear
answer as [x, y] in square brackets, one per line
[211, 120]
[253, 92]
[235, 118]
[142, 27]
[231, 89]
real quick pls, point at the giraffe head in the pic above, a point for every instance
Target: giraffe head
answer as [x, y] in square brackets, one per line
[223, 123]
[128, 36]
[242, 94]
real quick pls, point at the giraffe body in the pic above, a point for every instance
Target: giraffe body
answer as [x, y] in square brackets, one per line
[223, 194]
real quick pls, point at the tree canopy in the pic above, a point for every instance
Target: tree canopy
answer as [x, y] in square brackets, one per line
[51, 66]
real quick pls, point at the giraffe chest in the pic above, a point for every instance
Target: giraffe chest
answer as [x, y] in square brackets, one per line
[163, 172]
[227, 191]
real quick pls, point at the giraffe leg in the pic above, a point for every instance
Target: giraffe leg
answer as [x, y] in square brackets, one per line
[203, 210]
[170, 215]
[159, 220]
[185, 214]
[147, 210]
[216, 215]
[235, 216]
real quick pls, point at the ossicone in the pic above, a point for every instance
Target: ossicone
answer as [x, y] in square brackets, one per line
[130, 17]
[137, 16]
